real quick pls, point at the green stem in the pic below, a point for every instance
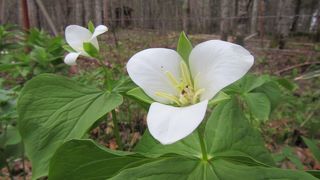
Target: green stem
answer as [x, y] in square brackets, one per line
[116, 129]
[203, 146]
[9, 169]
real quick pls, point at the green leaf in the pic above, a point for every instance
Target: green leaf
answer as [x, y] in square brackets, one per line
[91, 27]
[313, 148]
[220, 97]
[10, 136]
[229, 130]
[6, 67]
[90, 49]
[273, 92]
[68, 48]
[83, 159]
[139, 94]
[227, 133]
[54, 109]
[251, 82]
[124, 84]
[287, 84]
[314, 173]
[259, 105]
[184, 47]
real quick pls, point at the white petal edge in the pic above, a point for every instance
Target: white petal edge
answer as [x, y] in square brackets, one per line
[71, 58]
[216, 64]
[147, 69]
[99, 30]
[170, 124]
[76, 36]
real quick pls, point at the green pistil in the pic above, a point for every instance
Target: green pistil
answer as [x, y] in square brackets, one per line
[187, 94]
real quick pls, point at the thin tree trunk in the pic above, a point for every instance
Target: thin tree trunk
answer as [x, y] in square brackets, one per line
[242, 21]
[78, 6]
[98, 11]
[47, 17]
[185, 15]
[105, 12]
[25, 14]
[2, 11]
[87, 11]
[33, 14]
[253, 26]
[225, 22]
[296, 17]
[285, 20]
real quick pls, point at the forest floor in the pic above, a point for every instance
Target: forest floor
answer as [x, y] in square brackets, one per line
[282, 132]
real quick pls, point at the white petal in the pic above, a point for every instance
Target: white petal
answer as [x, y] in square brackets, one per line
[76, 36]
[215, 64]
[147, 69]
[169, 124]
[71, 58]
[99, 30]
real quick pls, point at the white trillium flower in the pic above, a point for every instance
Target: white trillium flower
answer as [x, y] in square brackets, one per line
[182, 95]
[76, 36]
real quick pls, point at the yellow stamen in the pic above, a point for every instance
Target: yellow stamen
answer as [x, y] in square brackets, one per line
[186, 78]
[172, 78]
[169, 97]
[197, 95]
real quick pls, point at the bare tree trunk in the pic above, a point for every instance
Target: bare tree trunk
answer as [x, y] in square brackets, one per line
[25, 14]
[242, 21]
[105, 12]
[98, 11]
[253, 26]
[185, 15]
[225, 21]
[87, 11]
[2, 11]
[78, 6]
[33, 15]
[285, 18]
[261, 21]
[296, 17]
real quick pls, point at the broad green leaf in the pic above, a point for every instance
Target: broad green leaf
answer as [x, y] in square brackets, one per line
[227, 129]
[124, 84]
[313, 148]
[258, 105]
[91, 26]
[272, 91]
[315, 173]
[287, 84]
[138, 93]
[90, 49]
[53, 109]
[10, 136]
[227, 133]
[251, 82]
[220, 97]
[150, 147]
[83, 159]
[184, 47]
[216, 169]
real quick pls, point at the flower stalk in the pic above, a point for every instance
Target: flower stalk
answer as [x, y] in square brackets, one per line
[116, 129]
[202, 145]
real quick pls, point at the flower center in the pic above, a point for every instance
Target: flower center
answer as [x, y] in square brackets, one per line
[187, 93]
